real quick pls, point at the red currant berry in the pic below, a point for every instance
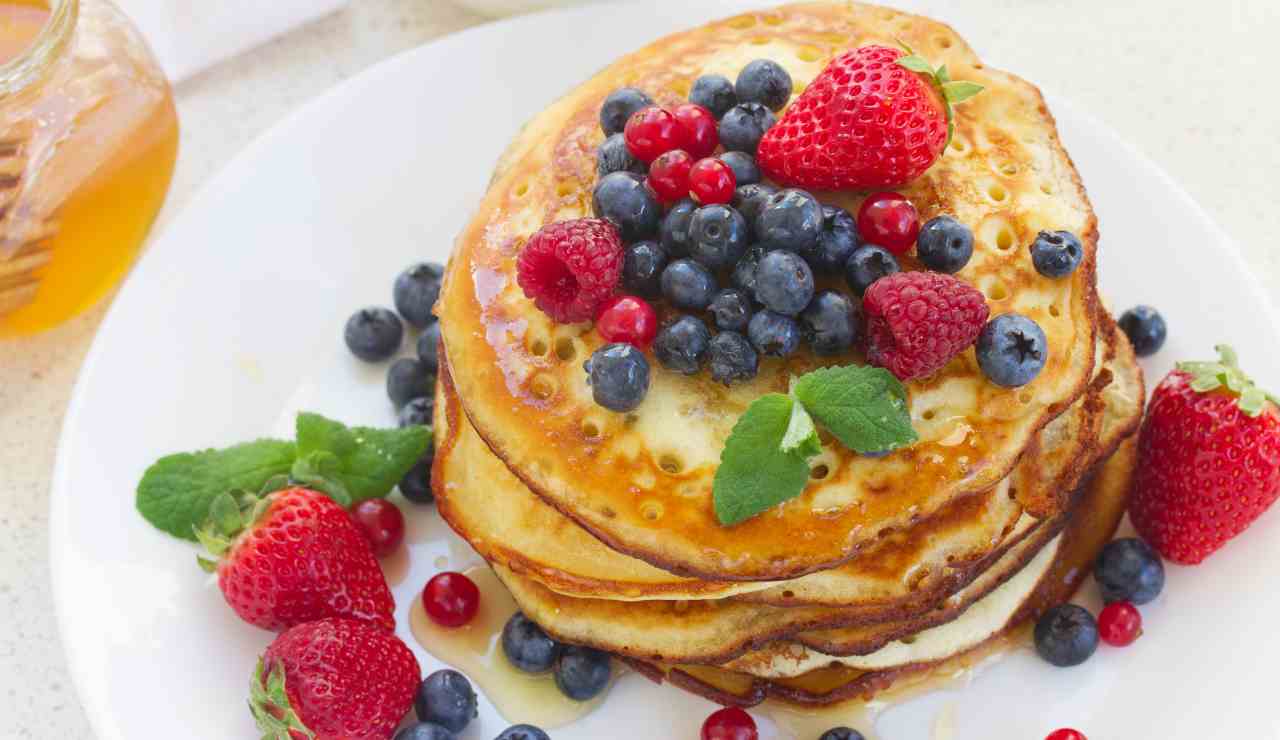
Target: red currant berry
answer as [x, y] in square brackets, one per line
[712, 181]
[1119, 623]
[669, 175]
[629, 319]
[382, 524]
[451, 599]
[651, 132]
[889, 219]
[1066, 734]
[730, 723]
[701, 128]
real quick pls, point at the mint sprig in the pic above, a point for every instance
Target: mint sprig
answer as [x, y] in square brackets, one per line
[765, 458]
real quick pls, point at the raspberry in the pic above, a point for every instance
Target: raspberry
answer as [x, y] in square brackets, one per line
[570, 268]
[918, 321]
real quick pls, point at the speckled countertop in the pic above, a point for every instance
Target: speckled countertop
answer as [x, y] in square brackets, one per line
[1183, 81]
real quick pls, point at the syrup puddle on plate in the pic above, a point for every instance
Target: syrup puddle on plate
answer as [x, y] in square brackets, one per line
[476, 650]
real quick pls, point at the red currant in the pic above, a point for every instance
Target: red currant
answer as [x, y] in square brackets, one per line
[651, 132]
[889, 219]
[629, 319]
[702, 130]
[730, 723]
[669, 175]
[1066, 734]
[451, 599]
[712, 181]
[382, 524]
[1119, 623]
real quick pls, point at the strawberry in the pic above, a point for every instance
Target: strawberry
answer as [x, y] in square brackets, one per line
[876, 117]
[294, 556]
[334, 679]
[1209, 459]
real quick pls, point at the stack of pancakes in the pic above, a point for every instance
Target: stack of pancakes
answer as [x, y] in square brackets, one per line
[601, 524]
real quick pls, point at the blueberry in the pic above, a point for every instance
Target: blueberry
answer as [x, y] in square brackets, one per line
[715, 93]
[417, 413]
[717, 236]
[642, 267]
[732, 358]
[527, 647]
[944, 245]
[868, 264]
[424, 731]
[446, 698]
[688, 285]
[409, 378]
[674, 231]
[791, 219]
[1145, 328]
[416, 484]
[784, 282]
[619, 106]
[373, 334]
[743, 276]
[619, 376]
[682, 345]
[1129, 570]
[773, 334]
[1066, 635]
[1012, 350]
[745, 169]
[742, 127]
[416, 290]
[625, 199]
[429, 346]
[582, 672]
[836, 241]
[614, 156]
[523, 732]
[830, 322]
[842, 733]
[731, 309]
[1056, 254]
[764, 81]
[751, 199]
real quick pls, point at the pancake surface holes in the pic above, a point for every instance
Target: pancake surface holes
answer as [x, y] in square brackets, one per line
[819, 472]
[997, 291]
[1024, 397]
[1006, 168]
[566, 350]
[538, 346]
[742, 21]
[997, 192]
[759, 40]
[670, 464]
[651, 510]
[592, 429]
[809, 54]
[908, 640]
[943, 42]
[522, 190]
[929, 415]
[1046, 187]
[1004, 239]
[1054, 311]
[564, 189]
[959, 145]
[773, 19]
[543, 386]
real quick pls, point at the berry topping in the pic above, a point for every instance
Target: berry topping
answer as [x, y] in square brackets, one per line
[415, 292]
[1208, 459]
[523, 732]
[409, 378]
[446, 699]
[582, 672]
[382, 524]
[836, 242]
[527, 647]
[688, 285]
[764, 81]
[624, 200]
[1128, 569]
[745, 169]
[743, 276]
[416, 484]
[373, 334]
[619, 377]
[711, 181]
[842, 733]
[681, 346]
[642, 267]
[744, 125]
[731, 309]
[424, 731]
[774, 335]
[730, 723]
[429, 346]
[717, 236]
[614, 156]
[628, 319]
[784, 282]
[918, 321]
[569, 268]
[673, 234]
[890, 220]
[715, 93]
[790, 219]
[944, 245]
[1012, 350]
[751, 199]
[1066, 733]
[654, 131]
[732, 358]
[451, 600]
[830, 322]
[1066, 635]
[618, 108]
[1119, 623]
[868, 264]
[417, 413]
[1145, 328]
[1056, 254]
[669, 175]
[702, 134]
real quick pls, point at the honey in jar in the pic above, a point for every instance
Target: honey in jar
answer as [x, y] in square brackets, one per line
[88, 139]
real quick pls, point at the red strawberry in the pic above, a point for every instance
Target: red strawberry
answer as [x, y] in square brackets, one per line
[294, 556]
[876, 117]
[335, 679]
[1209, 459]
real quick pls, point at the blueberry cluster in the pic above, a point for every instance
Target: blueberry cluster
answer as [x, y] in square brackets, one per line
[580, 673]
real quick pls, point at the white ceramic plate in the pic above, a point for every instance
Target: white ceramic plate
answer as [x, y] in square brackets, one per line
[233, 320]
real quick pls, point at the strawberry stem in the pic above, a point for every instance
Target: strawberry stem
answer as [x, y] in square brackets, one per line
[1226, 375]
[951, 91]
[269, 703]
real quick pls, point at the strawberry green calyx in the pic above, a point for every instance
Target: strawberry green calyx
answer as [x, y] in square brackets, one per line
[229, 515]
[269, 703]
[951, 91]
[1226, 375]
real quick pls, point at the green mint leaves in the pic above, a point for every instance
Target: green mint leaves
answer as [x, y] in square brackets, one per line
[765, 459]
[951, 91]
[349, 464]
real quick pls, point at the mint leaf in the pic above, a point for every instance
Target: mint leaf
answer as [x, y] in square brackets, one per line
[320, 470]
[864, 407]
[366, 462]
[174, 494]
[801, 435]
[755, 473]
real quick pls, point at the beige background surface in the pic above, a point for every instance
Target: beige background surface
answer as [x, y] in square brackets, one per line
[1188, 83]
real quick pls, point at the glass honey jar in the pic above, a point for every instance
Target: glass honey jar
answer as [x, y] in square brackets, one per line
[88, 139]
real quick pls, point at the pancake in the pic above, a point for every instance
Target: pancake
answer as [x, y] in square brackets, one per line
[641, 482]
